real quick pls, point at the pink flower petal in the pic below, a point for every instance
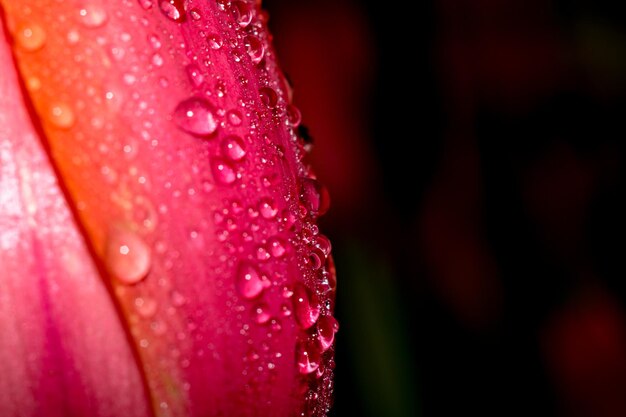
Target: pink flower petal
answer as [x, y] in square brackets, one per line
[63, 350]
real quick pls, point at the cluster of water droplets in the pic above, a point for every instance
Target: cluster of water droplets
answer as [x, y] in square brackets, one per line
[277, 230]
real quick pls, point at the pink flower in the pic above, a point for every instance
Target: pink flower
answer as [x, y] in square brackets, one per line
[158, 248]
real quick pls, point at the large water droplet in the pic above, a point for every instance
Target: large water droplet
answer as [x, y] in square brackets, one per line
[243, 13]
[233, 148]
[306, 306]
[314, 196]
[215, 41]
[127, 256]
[327, 326]
[93, 16]
[196, 116]
[173, 9]
[248, 281]
[268, 96]
[223, 172]
[307, 357]
[31, 37]
[255, 48]
[323, 243]
[293, 115]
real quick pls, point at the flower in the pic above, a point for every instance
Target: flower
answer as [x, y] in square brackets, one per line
[158, 240]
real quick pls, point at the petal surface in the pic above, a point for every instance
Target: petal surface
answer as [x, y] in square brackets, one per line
[63, 349]
[173, 132]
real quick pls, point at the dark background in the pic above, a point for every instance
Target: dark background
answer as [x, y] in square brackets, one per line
[474, 152]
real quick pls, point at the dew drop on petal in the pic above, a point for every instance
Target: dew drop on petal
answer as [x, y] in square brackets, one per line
[214, 41]
[233, 148]
[127, 256]
[173, 10]
[261, 313]
[234, 117]
[243, 13]
[267, 208]
[306, 307]
[146, 307]
[223, 172]
[327, 326]
[93, 16]
[195, 14]
[248, 281]
[195, 75]
[61, 116]
[145, 4]
[30, 37]
[196, 116]
[314, 196]
[255, 49]
[307, 357]
[268, 96]
[277, 247]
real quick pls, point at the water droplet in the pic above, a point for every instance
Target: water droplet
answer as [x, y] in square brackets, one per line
[127, 256]
[155, 42]
[195, 75]
[173, 10]
[255, 48]
[252, 355]
[146, 4]
[261, 313]
[31, 37]
[61, 116]
[262, 254]
[233, 148]
[316, 258]
[146, 307]
[195, 14]
[215, 41]
[196, 116]
[267, 208]
[294, 117]
[268, 97]
[93, 16]
[277, 247]
[223, 172]
[243, 13]
[323, 243]
[234, 117]
[285, 311]
[314, 196]
[307, 357]
[157, 60]
[327, 326]
[248, 281]
[178, 299]
[306, 306]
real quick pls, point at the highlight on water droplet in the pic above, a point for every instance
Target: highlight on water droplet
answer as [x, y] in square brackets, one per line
[255, 48]
[196, 116]
[93, 16]
[127, 257]
[261, 313]
[233, 148]
[307, 357]
[61, 116]
[30, 37]
[173, 10]
[248, 281]
[314, 196]
[267, 208]
[223, 172]
[268, 97]
[306, 306]
[214, 41]
[327, 326]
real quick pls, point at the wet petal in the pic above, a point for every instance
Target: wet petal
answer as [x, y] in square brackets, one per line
[63, 349]
[168, 123]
